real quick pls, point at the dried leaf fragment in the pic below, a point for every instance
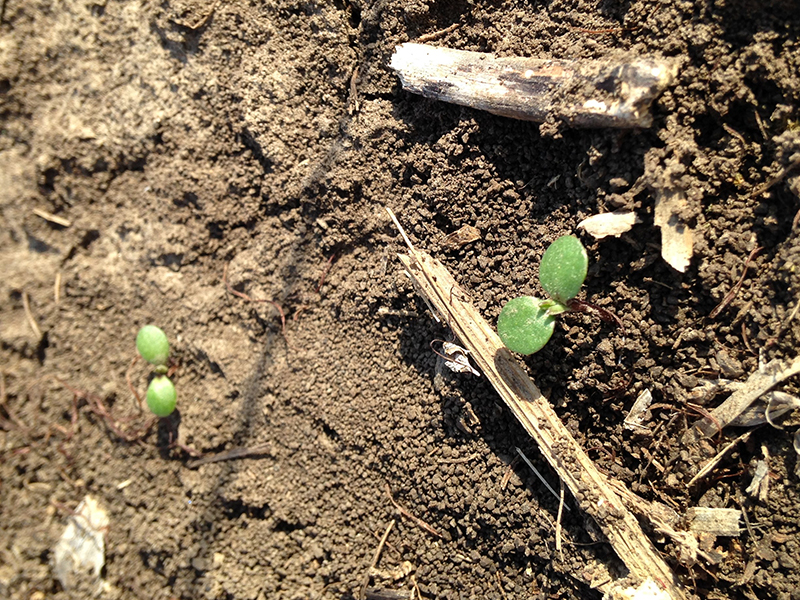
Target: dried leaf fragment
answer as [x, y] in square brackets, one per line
[461, 237]
[457, 359]
[759, 487]
[639, 412]
[717, 521]
[759, 383]
[768, 407]
[81, 549]
[677, 238]
[614, 223]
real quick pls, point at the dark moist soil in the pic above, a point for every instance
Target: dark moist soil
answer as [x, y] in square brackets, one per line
[181, 138]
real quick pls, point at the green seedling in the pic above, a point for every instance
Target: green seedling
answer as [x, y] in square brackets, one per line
[161, 396]
[153, 345]
[526, 323]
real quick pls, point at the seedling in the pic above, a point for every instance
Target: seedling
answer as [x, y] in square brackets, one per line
[152, 344]
[526, 323]
[161, 396]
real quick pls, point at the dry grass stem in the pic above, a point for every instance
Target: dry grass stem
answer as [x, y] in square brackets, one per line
[51, 217]
[233, 453]
[735, 289]
[57, 289]
[26, 304]
[558, 522]
[408, 515]
[539, 475]
[375, 558]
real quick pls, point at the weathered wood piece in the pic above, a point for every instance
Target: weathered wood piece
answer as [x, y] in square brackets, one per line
[581, 93]
[588, 486]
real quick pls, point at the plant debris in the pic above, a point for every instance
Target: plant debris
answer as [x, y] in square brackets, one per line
[717, 521]
[609, 224]
[611, 92]
[80, 552]
[760, 382]
[677, 238]
[639, 413]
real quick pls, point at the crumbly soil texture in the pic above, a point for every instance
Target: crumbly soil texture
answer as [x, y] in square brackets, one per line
[220, 169]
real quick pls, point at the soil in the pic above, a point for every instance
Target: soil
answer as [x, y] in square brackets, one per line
[206, 157]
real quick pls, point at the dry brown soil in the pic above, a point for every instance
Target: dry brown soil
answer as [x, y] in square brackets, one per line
[178, 138]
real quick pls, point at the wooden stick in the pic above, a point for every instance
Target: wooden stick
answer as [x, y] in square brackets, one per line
[582, 93]
[587, 485]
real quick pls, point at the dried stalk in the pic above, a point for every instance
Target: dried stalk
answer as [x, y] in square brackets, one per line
[583, 93]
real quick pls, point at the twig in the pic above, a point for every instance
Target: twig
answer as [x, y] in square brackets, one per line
[756, 385]
[389, 545]
[508, 473]
[408, 515]
[96, 405]
[604, 31]
[31, 321]
[777, 179]
[174, 442]
[735, 289]
[233, 453]
[458, 461]
[429, 37]
[706, 414]
[325, 272]
[375, 558]
[355, 105]
[605, 314]
[746, 340]
[539, 475]
[500, 585]
[416, 587]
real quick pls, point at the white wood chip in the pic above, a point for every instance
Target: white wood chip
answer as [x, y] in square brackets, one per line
[613, 223]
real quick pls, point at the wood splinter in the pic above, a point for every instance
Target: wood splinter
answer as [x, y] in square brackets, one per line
[611, 92]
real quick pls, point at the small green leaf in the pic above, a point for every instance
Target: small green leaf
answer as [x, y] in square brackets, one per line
[524, 325]
[161, 396]
[152, 344]
[563, 268]
[553, 307]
